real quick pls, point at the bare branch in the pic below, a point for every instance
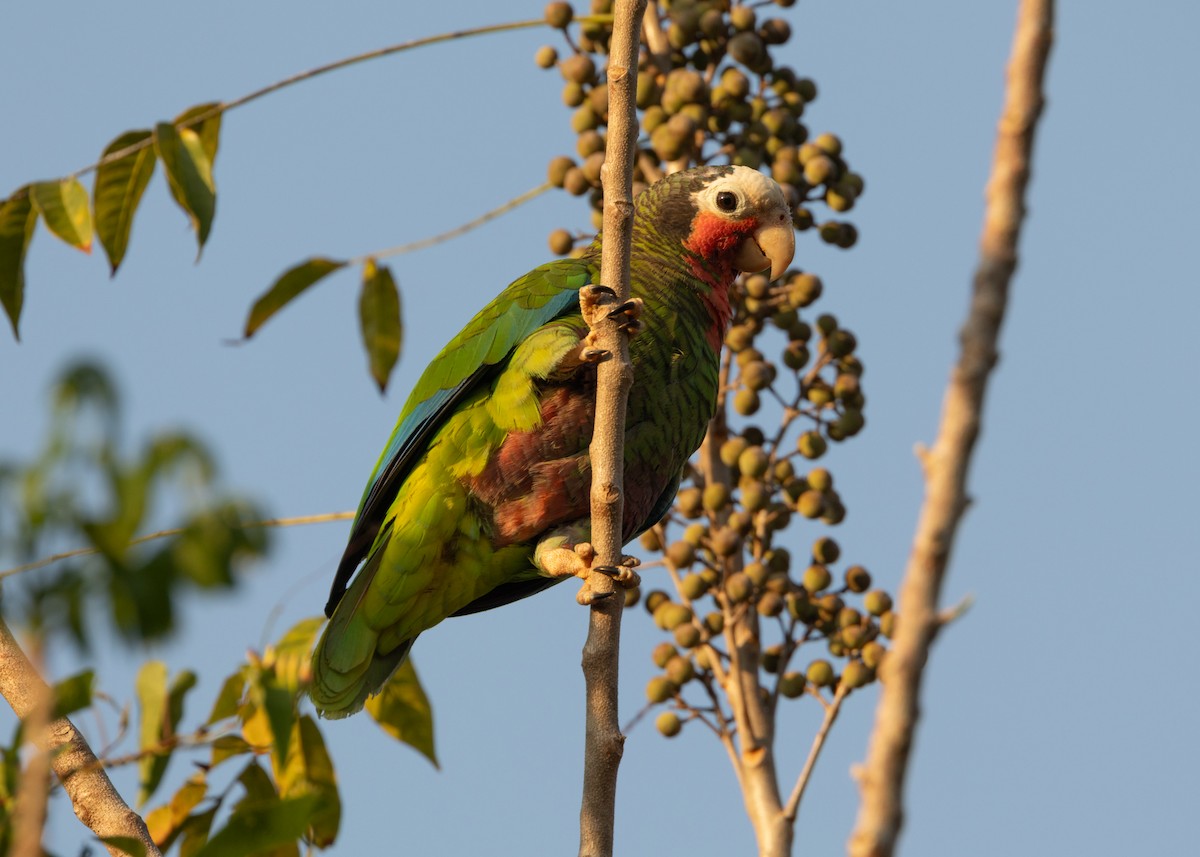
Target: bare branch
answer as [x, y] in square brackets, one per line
[97, 804]
[946, 464]
[604, 742]
[831, 713]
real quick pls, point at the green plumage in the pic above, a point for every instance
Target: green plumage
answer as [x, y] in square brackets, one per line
[488, 462]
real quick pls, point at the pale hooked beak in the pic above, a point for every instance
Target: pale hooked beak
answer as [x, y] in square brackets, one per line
[771, 246]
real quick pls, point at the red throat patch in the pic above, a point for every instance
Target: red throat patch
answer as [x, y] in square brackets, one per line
[713, 240]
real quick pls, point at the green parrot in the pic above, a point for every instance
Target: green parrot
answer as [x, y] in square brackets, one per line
[482, 495]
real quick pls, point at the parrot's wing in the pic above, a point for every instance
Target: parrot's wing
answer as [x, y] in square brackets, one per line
[469, 359]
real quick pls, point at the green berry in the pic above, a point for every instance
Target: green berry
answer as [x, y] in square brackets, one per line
[858, 579]
[650, 541]
[693, 586]
[680, 669]
[746, 402]
[753, 462]
[811, 504]
[816, 578]
[878, 603]
[561, 242]
[792, 684]
[687, 636]
[715, 622]
[662, 653]
[669, 724]
[826, 550]
[559, 14]
[655, 599]
[731, 449]
[857, 675]
[811, 444]
[545, 57]
[821, 673]
[659, 689]
[738, 587]
[770, 604]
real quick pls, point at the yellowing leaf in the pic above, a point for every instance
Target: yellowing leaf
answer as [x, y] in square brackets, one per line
[290, 284]
[402, 710]
[292, 654]
[64, 209]
[189, 175]
[17, 219]
[209, 129]
[118, 192]
[379, 320]
[166, 822]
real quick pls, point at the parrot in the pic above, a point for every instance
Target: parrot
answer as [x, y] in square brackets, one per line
[482, 495]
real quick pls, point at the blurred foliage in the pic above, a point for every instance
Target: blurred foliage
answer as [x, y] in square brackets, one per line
[83, 489]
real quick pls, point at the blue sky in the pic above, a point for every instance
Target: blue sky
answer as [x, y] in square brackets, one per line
[1058, 714]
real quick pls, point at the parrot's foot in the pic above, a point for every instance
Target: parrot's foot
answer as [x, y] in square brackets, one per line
[577, 562]
[597, 299]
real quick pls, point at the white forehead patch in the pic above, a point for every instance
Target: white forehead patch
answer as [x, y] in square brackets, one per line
[754, 193]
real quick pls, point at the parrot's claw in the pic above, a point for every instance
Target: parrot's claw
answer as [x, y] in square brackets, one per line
[629, 317]
[593, 299]
[595, 356]
[577, 562]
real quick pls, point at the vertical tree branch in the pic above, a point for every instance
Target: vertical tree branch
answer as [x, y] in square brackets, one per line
[97, 804]
[604, 742]
[882, 776]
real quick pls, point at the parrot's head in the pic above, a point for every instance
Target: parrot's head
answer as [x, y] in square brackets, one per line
[728, 219]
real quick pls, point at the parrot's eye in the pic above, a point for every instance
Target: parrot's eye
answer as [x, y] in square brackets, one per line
[727, 200]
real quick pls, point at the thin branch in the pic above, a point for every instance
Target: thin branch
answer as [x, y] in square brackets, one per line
[96, 802]
[831, 713]
[345, 62]
[322, 518]
[604, 742]
[413, 246]
[882, 776]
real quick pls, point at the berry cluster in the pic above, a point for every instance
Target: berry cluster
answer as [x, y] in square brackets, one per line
[709, 91]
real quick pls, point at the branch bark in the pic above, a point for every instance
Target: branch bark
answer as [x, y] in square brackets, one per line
[604, 743]
[96, 802]
[946, 465]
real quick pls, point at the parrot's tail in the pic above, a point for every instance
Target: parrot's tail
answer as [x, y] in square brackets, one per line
[340, 685]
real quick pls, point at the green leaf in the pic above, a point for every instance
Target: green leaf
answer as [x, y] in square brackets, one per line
[292, 654]
[228, 747]
[279, 705]
[228, 699]
[194, 832]
[189, 174]
[118, 192]
[64, 208]
[17, 219]
[151, 689]
[290, 284]
[73, 694]
[379, 320]
[161, 711]
[309, 770]
[403, 711]
[132, 847]
[258, 827]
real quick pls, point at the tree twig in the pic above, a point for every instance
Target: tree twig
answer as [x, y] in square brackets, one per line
[604, 742]
[462, 229]
[322, 518]
[831, 713]
[96, 802]
[882, 776]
